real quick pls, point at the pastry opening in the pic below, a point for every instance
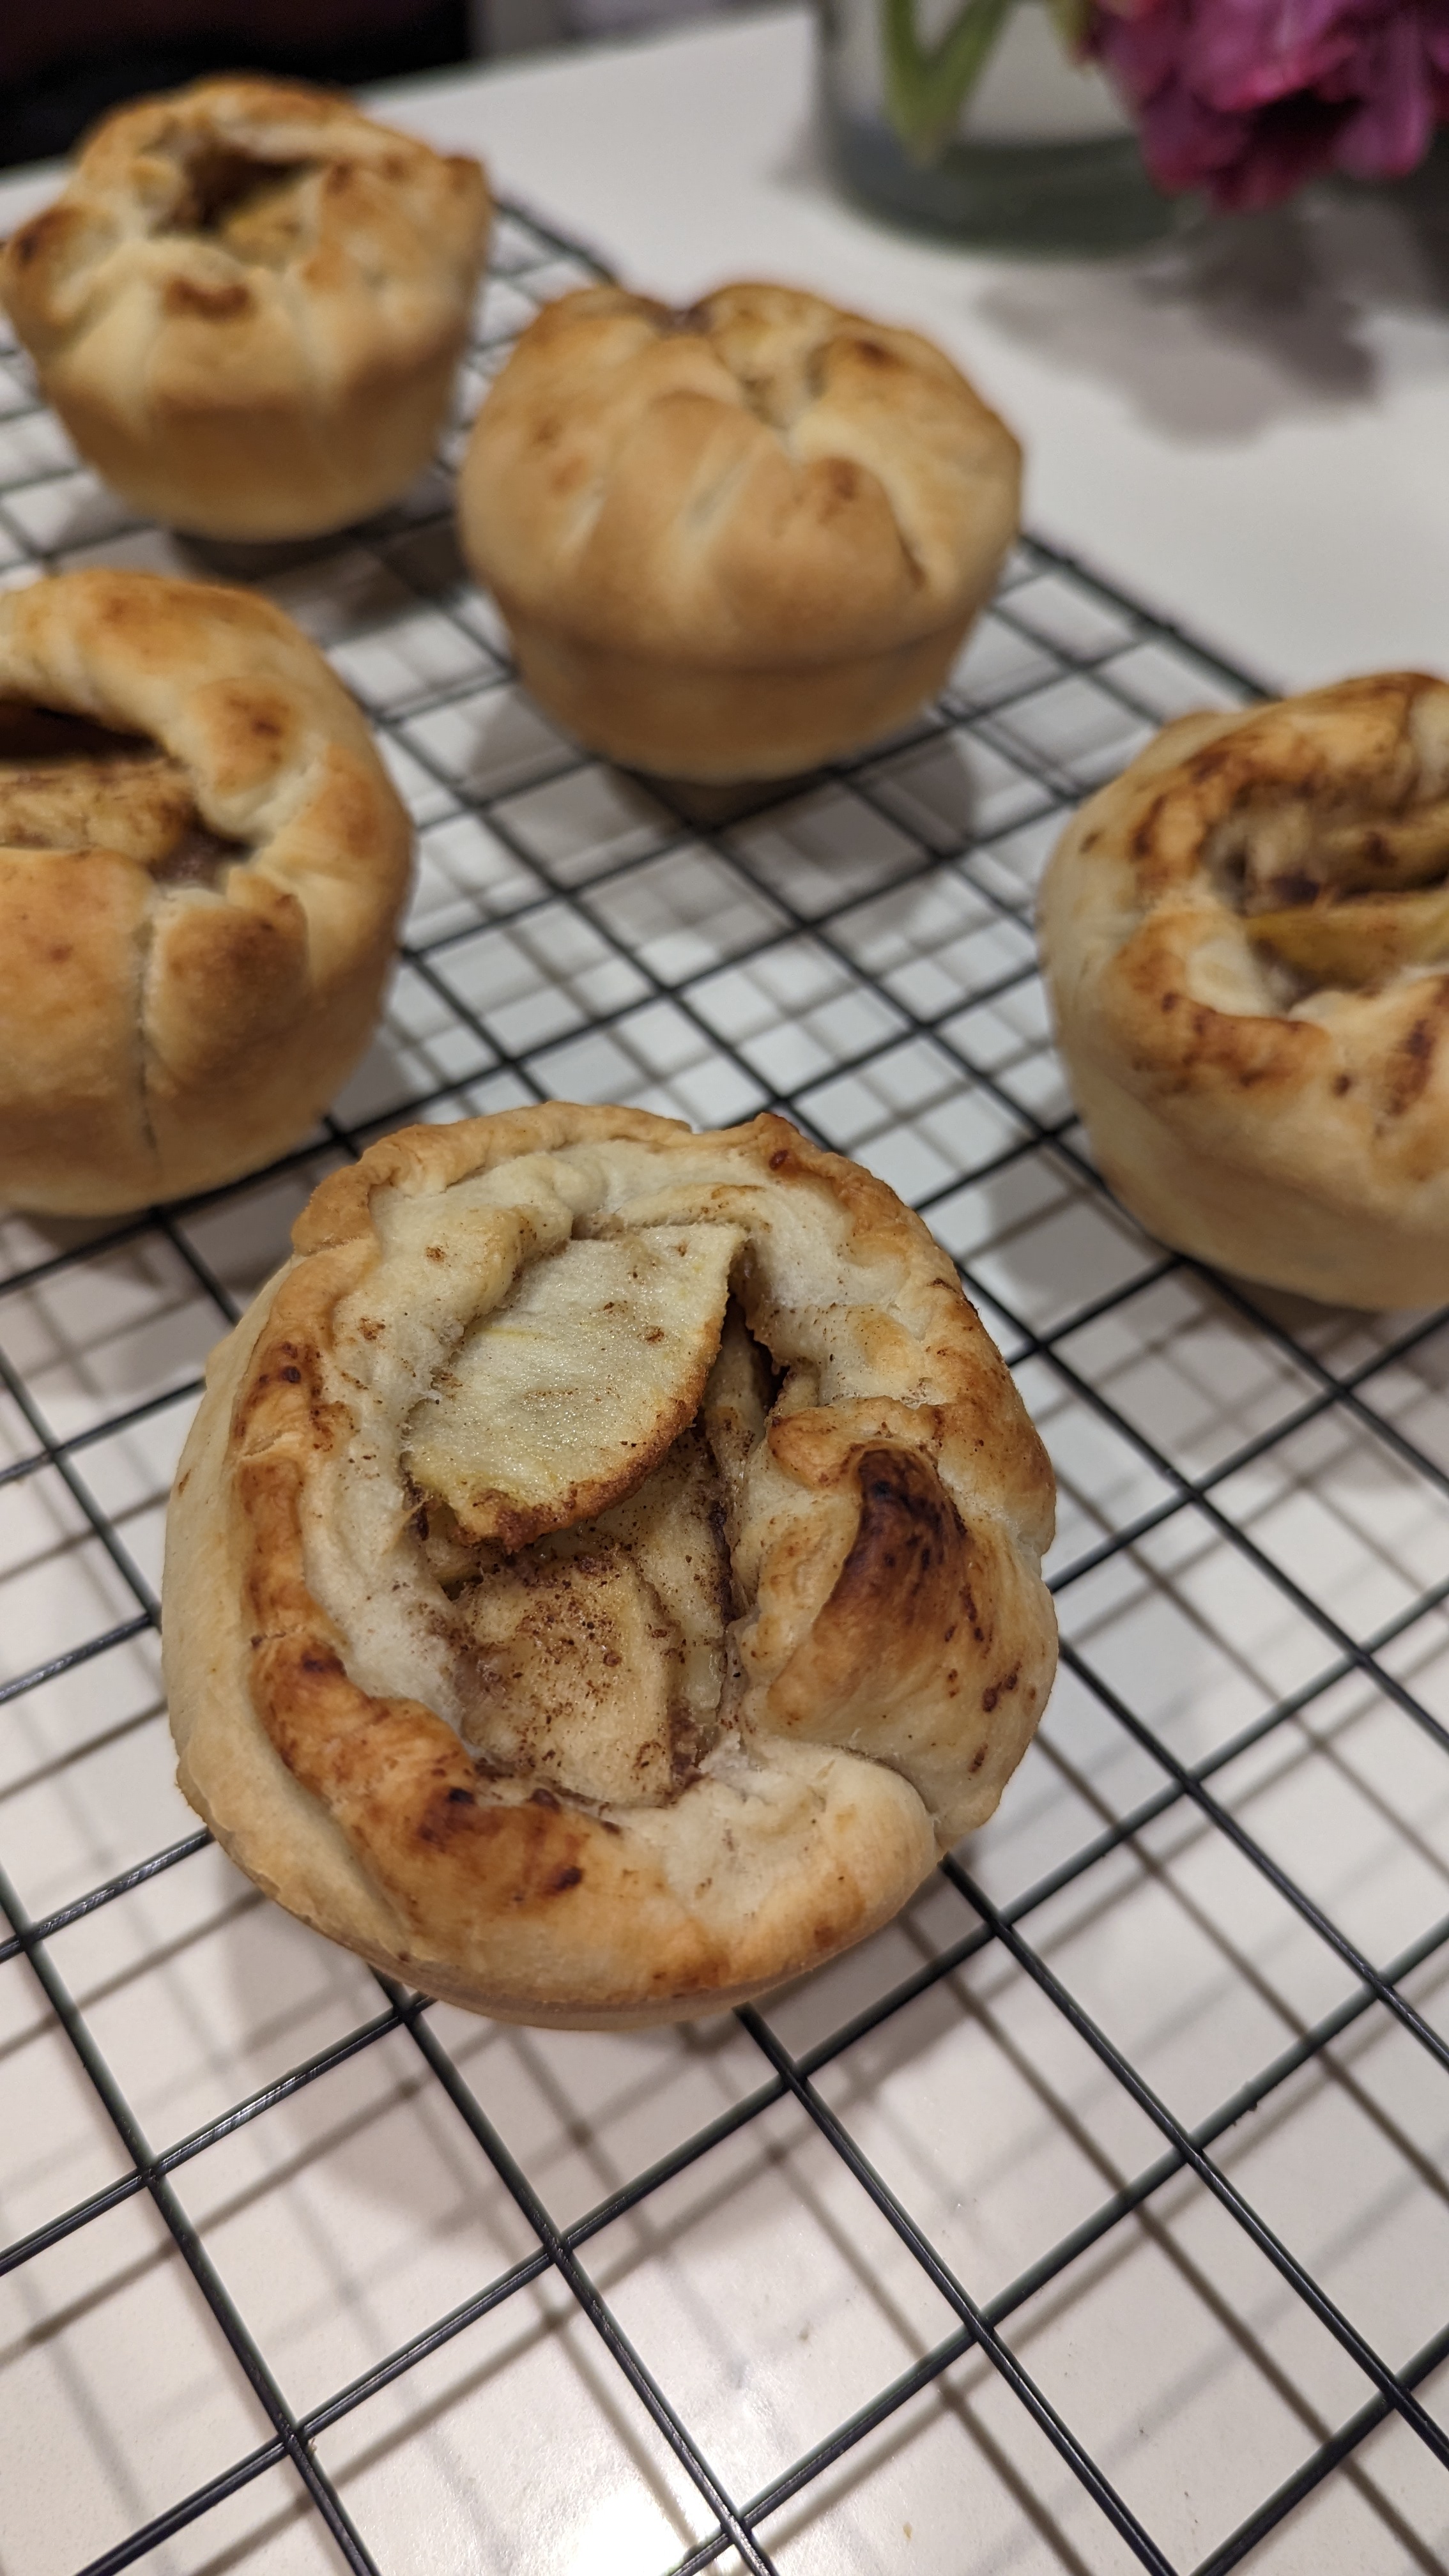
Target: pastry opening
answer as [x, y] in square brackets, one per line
[33, 735]
[200, 857]
[241, 199]
[778, 393]
[593, 1657]
[780, 373]
[68, 783]
[1334, 897]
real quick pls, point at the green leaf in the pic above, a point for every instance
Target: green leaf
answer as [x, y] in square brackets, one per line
[926, 90]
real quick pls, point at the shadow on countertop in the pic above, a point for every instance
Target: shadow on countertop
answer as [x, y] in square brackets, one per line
[1231, 322]
[1253, 318]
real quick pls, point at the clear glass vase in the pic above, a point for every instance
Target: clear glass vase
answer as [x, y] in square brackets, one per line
[976, 121]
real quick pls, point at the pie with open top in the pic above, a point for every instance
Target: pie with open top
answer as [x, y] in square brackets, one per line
[1246, 938]
[604, 1573]
[202, 864]
[248, 305]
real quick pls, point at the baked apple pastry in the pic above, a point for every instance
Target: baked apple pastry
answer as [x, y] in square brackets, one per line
[733, 542]
[248, 305]
[1246, 938]
[604, 1571]
[202, 863]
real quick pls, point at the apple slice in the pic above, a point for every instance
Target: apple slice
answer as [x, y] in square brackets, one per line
[1361, 941]
[560, 1401]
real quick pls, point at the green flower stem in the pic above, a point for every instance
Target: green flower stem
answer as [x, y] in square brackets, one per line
[926, 91]
[1073, 18]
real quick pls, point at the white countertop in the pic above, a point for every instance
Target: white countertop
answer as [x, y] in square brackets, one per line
[1253, 436]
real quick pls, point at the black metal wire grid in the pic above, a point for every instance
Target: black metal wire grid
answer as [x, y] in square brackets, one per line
[1094, 2216]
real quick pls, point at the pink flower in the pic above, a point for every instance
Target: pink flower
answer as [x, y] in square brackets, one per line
[1245, 99]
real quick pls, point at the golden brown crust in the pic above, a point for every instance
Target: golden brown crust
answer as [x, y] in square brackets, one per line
[249, 303]
[193, 938]
[736, 541]
[892, 1651]
[1270, 1097]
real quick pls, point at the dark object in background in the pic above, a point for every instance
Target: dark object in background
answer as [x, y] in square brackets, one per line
[64, 63]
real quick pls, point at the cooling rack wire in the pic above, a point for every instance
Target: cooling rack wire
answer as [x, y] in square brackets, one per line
[1094, 2216]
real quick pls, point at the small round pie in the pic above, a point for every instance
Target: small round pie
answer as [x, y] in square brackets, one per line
[202, 863]
[1246, 939]
[734, 542]
[248, 305]
[603, 1574]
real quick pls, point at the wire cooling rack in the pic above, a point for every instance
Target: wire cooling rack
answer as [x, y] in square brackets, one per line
[1093, 2215]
